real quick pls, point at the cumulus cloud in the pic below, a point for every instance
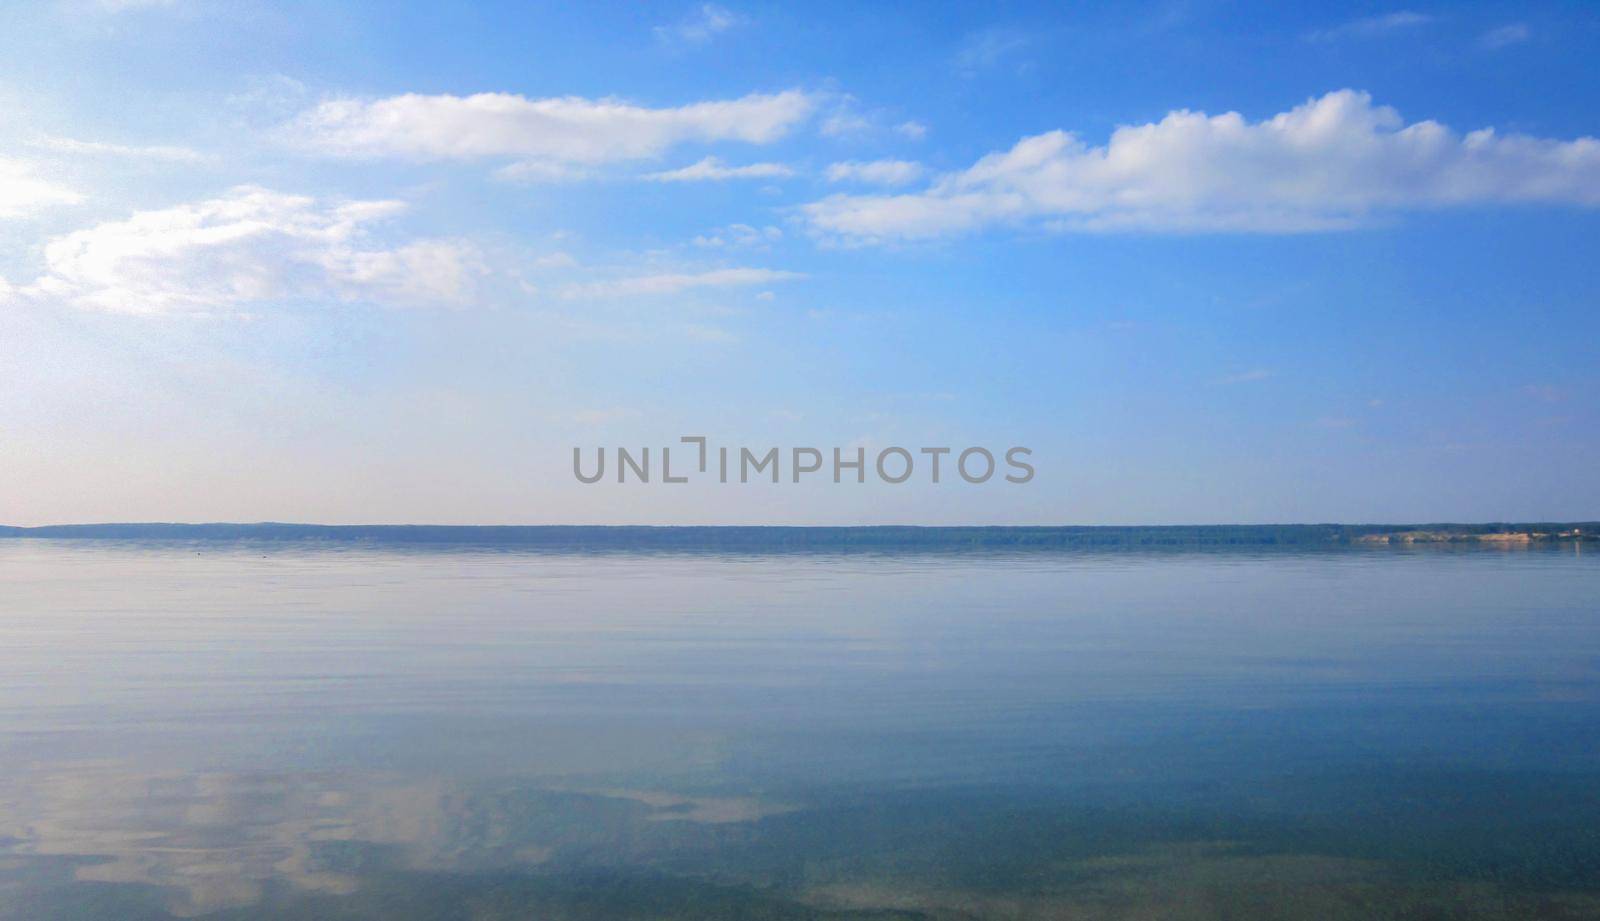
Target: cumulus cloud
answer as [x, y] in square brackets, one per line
[23, 192]
[552, 135]
[675, 282]
[876, 172]
[712, 169]
[1330, 163]
[248, 247]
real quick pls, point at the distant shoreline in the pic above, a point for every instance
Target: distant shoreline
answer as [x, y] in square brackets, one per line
[867, 537]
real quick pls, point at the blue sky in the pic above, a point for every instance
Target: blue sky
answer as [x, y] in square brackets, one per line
[1212, 262]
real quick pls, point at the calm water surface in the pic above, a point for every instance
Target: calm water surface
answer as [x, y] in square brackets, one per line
[289, 731]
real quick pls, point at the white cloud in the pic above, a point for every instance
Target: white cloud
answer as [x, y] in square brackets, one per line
[988, 48]
[739, 235]
[845, 123]
[249, 247]
[1330, 163]
[845, 118]
[270, 96]
[876, 172]
[707, 22]
[1248, 377]
[555, 260]
[23, 192]
[534, 172]
[1508, 34]
[712, 169]
[100, 148]
[700, 332]
[674, 282]
[117, 6]
[551, 134]
[1372, 26]
[912, 130]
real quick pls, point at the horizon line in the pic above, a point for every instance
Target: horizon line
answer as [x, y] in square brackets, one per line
[1498, 522]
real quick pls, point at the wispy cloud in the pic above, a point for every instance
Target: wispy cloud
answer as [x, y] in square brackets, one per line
[250, 247]
[23, 192]
[701, 332]
[704, 24]
[845, 123]
[550, 136]
[911, 130]
[1372, 26]
[101, 148]
[989, 48]
[712, 169]
[117, 6]
[555, 260]
[844, 116]
[536, 172]
[1328, 164]
[1248, 377]
[741, 236]
[1509, 34]
[601, 417]
[675, 282]
[876, 172]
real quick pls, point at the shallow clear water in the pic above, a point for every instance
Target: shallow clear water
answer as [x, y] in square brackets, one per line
[348, 731]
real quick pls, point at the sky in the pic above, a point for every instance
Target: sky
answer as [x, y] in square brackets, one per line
[1209, 262]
